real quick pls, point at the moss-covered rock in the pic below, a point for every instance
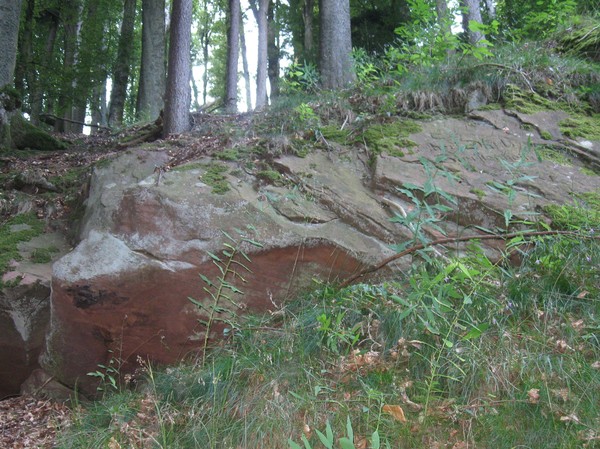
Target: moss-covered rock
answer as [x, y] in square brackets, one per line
[25, 135]
[578, 125]
[390, 138]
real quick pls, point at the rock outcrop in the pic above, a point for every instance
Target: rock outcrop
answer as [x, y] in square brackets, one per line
[145, 239]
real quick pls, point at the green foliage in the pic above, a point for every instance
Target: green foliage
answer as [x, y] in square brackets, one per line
[390, 138]
[534, 19]
[301, 78]
[220, 305]
[587, 127]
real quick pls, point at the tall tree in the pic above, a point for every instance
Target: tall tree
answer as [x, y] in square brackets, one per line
[471, 12]
[335, 59]
[233, 51]
[122, 68]
[245, 69]
[273, 56]
[259, 8]
[152, 73]
[10, 12]
[177, 97]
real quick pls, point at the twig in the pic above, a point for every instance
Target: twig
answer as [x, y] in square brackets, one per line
[91, 125]
[445, 240]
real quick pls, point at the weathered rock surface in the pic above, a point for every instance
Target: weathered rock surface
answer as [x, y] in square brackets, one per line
[123, 291]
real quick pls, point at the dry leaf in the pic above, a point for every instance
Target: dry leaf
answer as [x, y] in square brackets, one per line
[360, 442]
[596, 364]
[583, 294]
[577, 325]
[396, 412]
[570, 418]
[533, 396]
[460, 445]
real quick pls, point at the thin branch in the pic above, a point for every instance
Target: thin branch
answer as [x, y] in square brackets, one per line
[446, 240]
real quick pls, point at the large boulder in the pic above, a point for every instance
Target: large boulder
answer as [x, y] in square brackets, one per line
[124, 291]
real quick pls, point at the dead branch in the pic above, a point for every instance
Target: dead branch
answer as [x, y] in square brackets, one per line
[446, 240]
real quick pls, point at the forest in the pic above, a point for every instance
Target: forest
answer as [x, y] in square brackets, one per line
[299, 224]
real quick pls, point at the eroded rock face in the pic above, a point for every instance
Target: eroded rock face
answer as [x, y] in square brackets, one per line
[123, 291]
[24, 315]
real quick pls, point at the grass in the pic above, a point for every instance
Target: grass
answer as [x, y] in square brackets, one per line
[472, 352]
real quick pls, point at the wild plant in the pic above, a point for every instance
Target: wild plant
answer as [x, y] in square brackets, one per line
[220, 305]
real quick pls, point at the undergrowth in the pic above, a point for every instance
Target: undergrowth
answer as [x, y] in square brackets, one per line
[460, 351]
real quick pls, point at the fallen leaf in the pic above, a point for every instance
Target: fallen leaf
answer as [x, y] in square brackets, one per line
[570, 418]
[596, 364]
[562, 394]
[533, 396]
[583, 294]
[360, 442]
[396, 412]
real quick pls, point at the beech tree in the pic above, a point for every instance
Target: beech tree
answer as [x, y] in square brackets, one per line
[260, 10]
[178, 94]
[122, 65]
[335, 58]
[233, 51]
[152, 71]
[471, 12]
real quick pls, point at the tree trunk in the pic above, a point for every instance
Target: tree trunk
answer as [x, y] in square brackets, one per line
[308, 15]
[273, 49]
[471, 11]
[335, 59]
[152, 73]
[443, 16]
[122, 66]
[10, 13]
[24, 69]
[260, 14]
[70, 12]
[491, 9]
[37, 94]
[246, 70]
[233, 51]
[177, 98]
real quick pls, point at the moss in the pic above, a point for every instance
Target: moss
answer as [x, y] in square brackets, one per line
[588, 171]
[20, 228]
[526, 102]
[546, 135]
[587, 127]
[480, 193]
[491, 107]
[25, 135]
[390, 138]
[214, 176]
[270, 176]
[43, 255]
[335, 134]
[547, 153]
[230, 154]
[70, 180]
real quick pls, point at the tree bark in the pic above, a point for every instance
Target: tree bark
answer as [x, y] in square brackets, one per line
[273, 48]
[152, 73]
[245, 69]
[491, 9]
[122, 66]
[471, 11]
[260, 14]
[335, 59]
[233, 51]
[308, 16]
[24, 70]
[10, 13]
[177, 98]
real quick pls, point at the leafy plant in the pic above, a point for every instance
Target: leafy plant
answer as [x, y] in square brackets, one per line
[327, 439]
[220, 305]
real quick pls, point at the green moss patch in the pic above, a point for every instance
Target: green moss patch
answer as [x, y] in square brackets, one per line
[270, 176]
[587, 127]
[526, 102]
[43, 255]
[335, 134]
[390, 138]
[547, 153]
[25, 135]
[20, 228]
[214, 176]
[231, 154]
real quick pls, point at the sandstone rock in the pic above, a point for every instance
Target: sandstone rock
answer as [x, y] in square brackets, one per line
[123, 291]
